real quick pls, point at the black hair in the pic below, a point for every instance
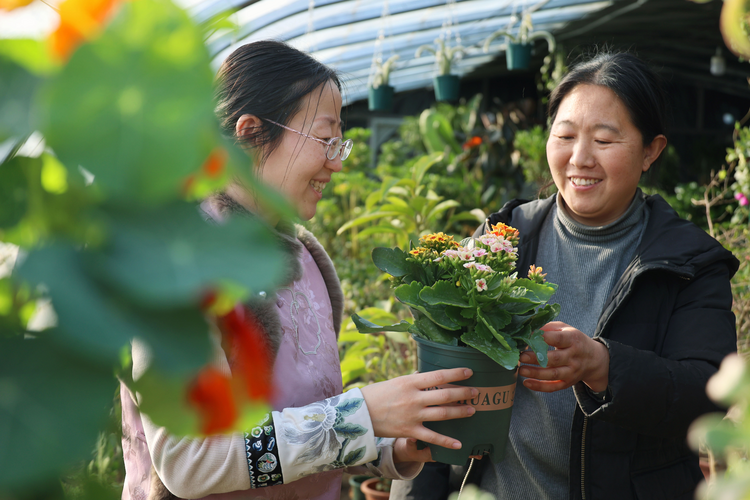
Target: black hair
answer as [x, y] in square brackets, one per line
[268, 79]
[631, 79]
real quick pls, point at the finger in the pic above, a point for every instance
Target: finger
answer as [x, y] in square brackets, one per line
[559, 339]
[448, 395]
[550, 373]
[554, 325]
[432, 437]
[439, 377]
[546, 385]
[529, 358]
[439, 413]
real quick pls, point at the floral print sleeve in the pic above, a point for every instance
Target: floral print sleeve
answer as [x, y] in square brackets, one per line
[322, 436]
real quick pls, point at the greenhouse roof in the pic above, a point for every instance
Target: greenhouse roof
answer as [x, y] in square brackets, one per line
[350, 34]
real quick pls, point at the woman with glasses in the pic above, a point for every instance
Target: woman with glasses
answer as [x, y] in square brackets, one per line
[284, 107]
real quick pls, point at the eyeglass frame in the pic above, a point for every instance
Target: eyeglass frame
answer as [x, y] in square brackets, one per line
[328, 144]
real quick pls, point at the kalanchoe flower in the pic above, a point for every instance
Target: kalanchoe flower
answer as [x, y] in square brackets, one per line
[480, 252]
[465, 254]
[469, 265]
[535, 274]
[487, 239]
[484, 268]
[481, 284]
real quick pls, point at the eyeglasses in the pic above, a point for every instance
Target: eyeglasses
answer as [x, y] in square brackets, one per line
[334, 146]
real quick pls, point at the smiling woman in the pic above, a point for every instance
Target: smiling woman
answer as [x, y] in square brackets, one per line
[645, 306]
[283, 107]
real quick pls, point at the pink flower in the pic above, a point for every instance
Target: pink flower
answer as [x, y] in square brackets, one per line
[469, 265]
[451, 253]
[742, 199]
[483, 268]
[488, 239]
[481, 285]
[480, 252]
[465, 254]
[501, 246]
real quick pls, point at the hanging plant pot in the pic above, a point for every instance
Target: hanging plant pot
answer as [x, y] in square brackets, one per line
[518, 55]
[446, 87]
[380, 99]
[485, 432]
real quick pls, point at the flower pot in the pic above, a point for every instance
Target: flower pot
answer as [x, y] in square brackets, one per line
[380, 99]
[368, 488]
[446, 87]
[355, 487]
[485, 432]
[518, 55]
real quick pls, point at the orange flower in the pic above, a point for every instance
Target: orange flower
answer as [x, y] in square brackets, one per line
[80, 21]
[211, 395]
[248, 351]
[473, 142]
[214, 164]
[505, 231]
[13, 4]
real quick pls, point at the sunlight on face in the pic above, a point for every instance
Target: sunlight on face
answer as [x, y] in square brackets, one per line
[298, 168]
[596, 154]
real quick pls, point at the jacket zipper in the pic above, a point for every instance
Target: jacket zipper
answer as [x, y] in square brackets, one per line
[583, 458]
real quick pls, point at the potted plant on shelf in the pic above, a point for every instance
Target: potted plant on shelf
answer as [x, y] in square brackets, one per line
[380, 93]
[446, 84]
[518, 54]
[376, 488]
[470, 310]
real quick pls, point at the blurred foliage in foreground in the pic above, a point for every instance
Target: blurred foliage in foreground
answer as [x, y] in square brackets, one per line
[121, 117]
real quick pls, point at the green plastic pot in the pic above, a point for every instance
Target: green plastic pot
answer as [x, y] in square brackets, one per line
[446, 87]
[355, 486]
[380, 99]
[485, 432]
[518, 55]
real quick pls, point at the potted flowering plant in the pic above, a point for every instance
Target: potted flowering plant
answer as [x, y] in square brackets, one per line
[446, 84]
[380, 93]
[471, 310]
[518, 55]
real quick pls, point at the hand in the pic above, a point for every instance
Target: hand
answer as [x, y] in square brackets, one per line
[405, 450]
[576, 357]
[400, 405]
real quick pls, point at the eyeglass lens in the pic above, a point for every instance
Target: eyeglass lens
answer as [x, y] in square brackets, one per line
[337, 145]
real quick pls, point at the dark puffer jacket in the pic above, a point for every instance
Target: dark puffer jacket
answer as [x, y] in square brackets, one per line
[667, 324]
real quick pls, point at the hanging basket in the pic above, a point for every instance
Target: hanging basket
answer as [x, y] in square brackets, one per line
[518, 55]
[485, 432]
[380, 99]
[446, 87]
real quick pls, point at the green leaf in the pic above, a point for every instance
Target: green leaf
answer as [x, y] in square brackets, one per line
[349, 407]
[423, 164]
[514, 305]
[53, 402]
[537, 344]
[536, 291]
[364, 219]
[147, 119]
[392, 261]
[364, 326]
[544, 315]
[96, 321]
[409, 295]
[170, 256]
[349, 431]
[444, 293]
[14, 193]
[495, 333]
[431, 331]
[506, 358]
[18, 110]
[355, 456]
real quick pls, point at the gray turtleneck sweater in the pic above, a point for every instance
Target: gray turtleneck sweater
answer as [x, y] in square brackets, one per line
[585, 262]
